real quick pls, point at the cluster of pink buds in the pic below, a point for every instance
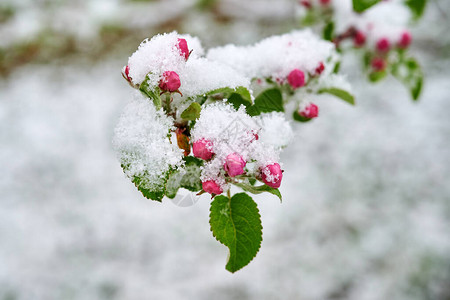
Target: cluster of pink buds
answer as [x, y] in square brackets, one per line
[170, 80]
[234, 165]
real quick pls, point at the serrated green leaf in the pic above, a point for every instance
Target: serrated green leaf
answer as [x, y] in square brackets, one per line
[192, 112]
[328, 31]
[156, 193]
[268, 101]
[342, 94]
[236, 223]
[153, 93]
[361, 5]
[259, 189]
[417, 7]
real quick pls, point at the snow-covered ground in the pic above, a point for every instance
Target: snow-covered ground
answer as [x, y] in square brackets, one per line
[366, 210]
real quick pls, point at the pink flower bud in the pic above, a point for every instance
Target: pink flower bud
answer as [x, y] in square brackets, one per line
[305, 3]
[126, 73]
[378, 64]
[320, 68]
[309, 111]
[211, 187]
[272, 175]
[203, 149]
[182, 45]
[405, 40]
[359, 39]
[383, 45]
[296, 78]
[170, 81]
[324, 2]
[234, 164]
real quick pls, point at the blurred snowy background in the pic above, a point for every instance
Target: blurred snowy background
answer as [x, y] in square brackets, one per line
[366, 211]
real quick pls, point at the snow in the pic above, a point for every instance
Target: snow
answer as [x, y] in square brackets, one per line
[276, 56]
[142, 143]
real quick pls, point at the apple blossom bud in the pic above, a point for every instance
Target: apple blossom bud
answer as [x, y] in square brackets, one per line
[296, 78]
[272, 175]
[182, 45]
[211, 187]
[305, 3]
[234, 164]
[383, 45]
[126, 73]
[320, 68]
[309, 111]
[359, 39]
[378, 64]
[405, 40]
[170, 81]
[203, 149]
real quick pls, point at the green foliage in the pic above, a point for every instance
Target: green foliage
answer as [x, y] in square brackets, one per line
[417, 7]
[192, 112]
[328, 31]
[268, 101]
[156, 193]
[299, 118]
[259, 189]
[236, 223]
[342, 94]
[377, 76]
[189, 179]
[361, 5]
[153, 93]
[409, 72]
[225, 93]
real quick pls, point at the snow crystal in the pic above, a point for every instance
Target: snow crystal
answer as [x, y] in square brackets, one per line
[276, 56]
[275, 130]
[142, 143]
[201, 76]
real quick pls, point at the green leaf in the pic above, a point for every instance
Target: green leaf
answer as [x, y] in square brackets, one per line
[236, 223]
[417, 7]
[344, 95]
[268, 101]
[361, 5]
[410, 73]
[377, 76]
[192, 112]
[259, 189]
[299, 118]
[237, 100]
[328, 31]
[153, 93]
[188, 177]
[156, 193]
[225, 92]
